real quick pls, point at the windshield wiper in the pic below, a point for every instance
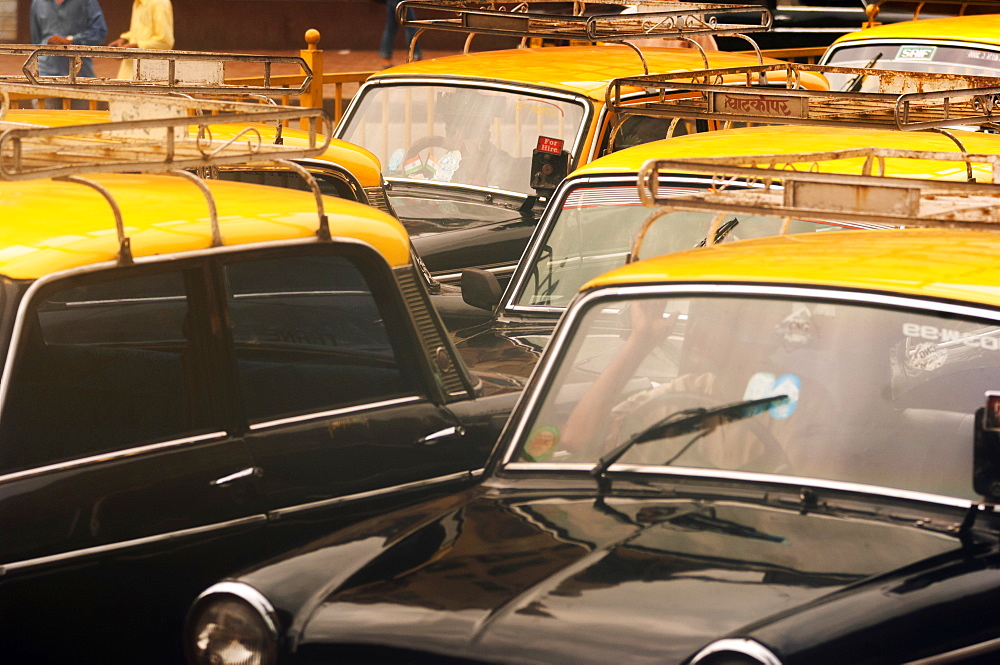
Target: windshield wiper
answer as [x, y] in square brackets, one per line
[855, 83]
[721, 232]
[699, 420]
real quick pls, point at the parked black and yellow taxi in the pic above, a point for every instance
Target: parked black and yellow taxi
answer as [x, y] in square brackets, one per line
[197, 373]
[472, 144]
[962, 44]
[596, 214]
[770, 452]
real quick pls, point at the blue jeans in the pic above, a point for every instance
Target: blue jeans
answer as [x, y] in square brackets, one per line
[392, 27]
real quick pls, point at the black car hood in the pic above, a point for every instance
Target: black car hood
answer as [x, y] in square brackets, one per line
[510, 351]
[561, 580]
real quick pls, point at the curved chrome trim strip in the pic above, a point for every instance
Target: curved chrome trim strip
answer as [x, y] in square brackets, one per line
[557, 346]
[959, 655]
[722, 474]
[417, 484]
[336, 412]
[106, 457]
[755, 650]
[125, 544]
[250, 596]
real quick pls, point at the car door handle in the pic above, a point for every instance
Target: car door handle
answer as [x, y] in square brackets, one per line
[251, 472]
[441, 435]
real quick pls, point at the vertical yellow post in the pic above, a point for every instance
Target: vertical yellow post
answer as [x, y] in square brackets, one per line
[313, 97]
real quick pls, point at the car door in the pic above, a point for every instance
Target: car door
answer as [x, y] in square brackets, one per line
[119, 485]
[335, 388]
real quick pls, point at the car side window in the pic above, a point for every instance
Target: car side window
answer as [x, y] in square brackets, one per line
[101, 366]
[310, 335]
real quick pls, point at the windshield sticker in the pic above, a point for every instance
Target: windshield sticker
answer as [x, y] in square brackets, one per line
[541, 444]
[797, 328]
[985, 339]
[395, 160]
[766, 384]
[916, 53]
[923, 356]
[446, 168]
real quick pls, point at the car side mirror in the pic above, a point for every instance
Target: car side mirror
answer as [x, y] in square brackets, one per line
[481, 288]
[986, 450]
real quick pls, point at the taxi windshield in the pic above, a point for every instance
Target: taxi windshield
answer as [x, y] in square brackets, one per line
[910, 57]
[461, 135]
[595, 226]
[875, 395]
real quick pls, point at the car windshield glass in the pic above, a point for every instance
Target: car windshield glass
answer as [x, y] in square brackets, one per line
[938, 58]
[595, 226]
[462, 135]
[875, 395]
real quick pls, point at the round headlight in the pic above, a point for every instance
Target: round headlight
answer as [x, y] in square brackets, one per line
[231, 624]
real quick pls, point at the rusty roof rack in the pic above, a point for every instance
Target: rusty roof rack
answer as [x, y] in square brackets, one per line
[770, 94]
[791, 186]
[872, 7]
[588, 20]
[148, 133]
[186, 72]
[156, 134]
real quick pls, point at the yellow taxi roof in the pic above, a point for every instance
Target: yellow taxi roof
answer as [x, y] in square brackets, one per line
[360, 162]
[980, 29]
[778, 140]
[935, 263]
[584, 70]
[48, 225]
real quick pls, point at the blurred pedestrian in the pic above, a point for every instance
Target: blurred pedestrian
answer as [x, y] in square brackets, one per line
[151, 27]
[390, 30]
[79, 22]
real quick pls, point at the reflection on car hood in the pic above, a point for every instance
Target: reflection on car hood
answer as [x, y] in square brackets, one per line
[564, 580]
[423, 216]
[512, 352]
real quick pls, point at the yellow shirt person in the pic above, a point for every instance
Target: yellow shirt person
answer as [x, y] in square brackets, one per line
[151, 27]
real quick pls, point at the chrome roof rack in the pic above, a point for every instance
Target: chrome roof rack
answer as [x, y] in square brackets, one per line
[156, 134]
[904, 100]
[187, 72]
[589, 20]
[792, 186]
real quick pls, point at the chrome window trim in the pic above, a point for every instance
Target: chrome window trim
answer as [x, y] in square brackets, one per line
[127, 544]
[417, 484]
[750, 648]
[543, 372]
[795, 482]
[333, 413]
[896, 41]
[111, 456]
[250, 596]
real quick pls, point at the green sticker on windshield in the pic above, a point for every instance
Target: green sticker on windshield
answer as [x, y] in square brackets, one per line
[916, 53]
[541, 444]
